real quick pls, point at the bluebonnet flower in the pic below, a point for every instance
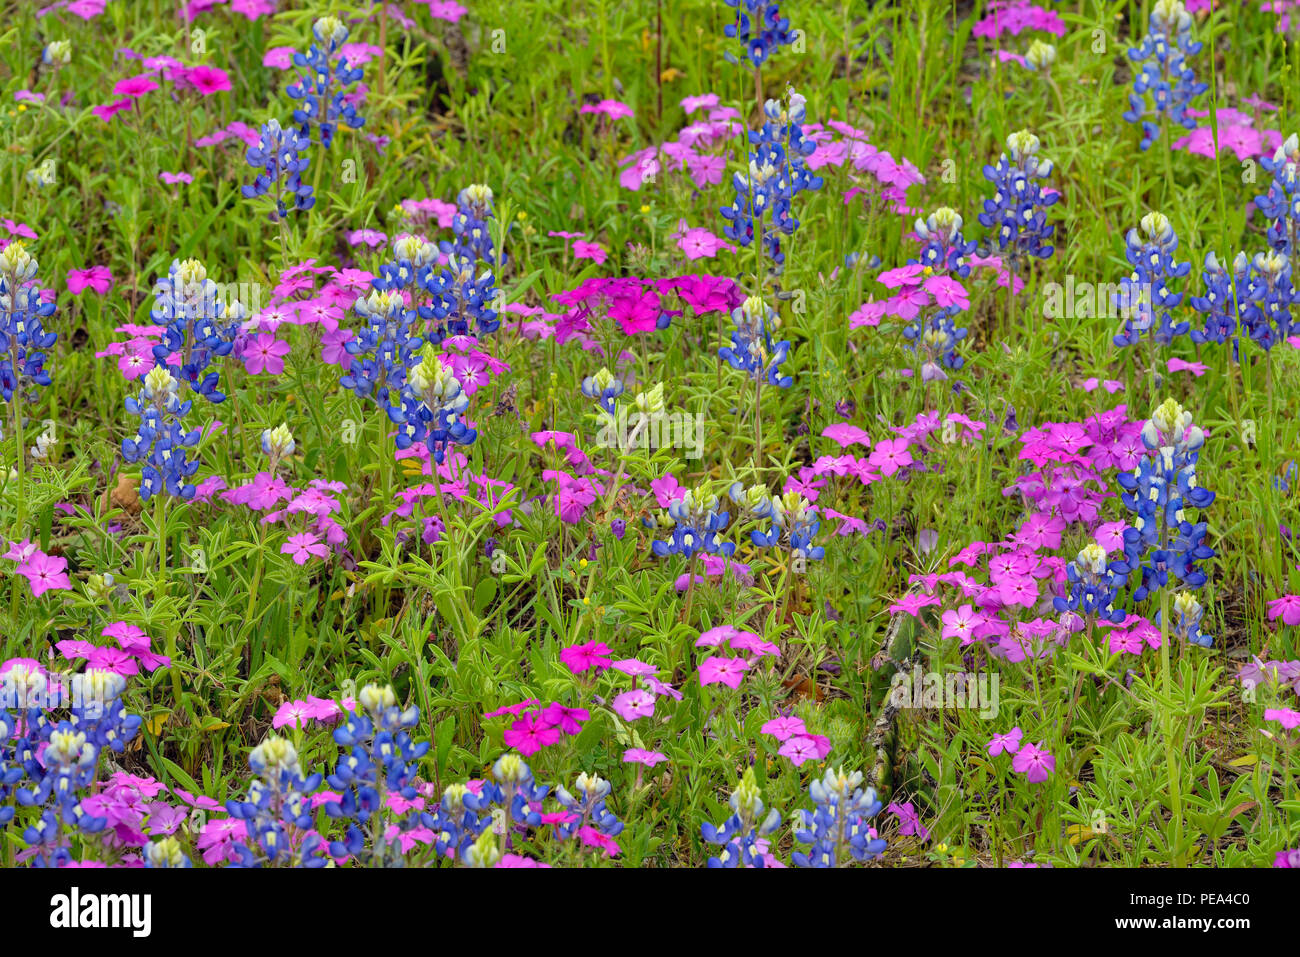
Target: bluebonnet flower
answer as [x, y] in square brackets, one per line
[1040, 56]
[1269, 295]
[943, 247]
[41, 176]
[510, 803]
[23, 339]
[837, 827]
[11, 770]
[484, 852]
[469, 226]
[760, 26]
[57, 53]
[69, 750]
[460, 818]
[776, 173]
[1018, 210]
[1170, 81]
[377, 763]
[794, 525]
[382, 350]
[413, 260]
[739, 834]
[322, 83]
[1093, 587]
[277, 813]
[277, 443]
[1160, 541]
[1284, 482]
[933, 335]
[605, 388]
[752, 348]
[24, 688]
[432, 409]
[166, 853]
[695, 522]
[160, 441]
[753, 500]
[385, 348]
[1186, 624]
[462, 303]
[1221, 304]
[197, 326]
[278, 154]
[1144, 298]
[1281, 204]
[589, 806]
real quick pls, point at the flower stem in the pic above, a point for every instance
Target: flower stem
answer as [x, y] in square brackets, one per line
[1172, 760]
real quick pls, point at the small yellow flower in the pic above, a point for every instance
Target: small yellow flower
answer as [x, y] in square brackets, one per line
[645, 208]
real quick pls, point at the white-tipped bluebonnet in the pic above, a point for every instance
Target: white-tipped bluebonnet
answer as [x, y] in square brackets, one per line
[1017, 213]
[753, 349]
[383, 349]
[943, 247]
[1160, 541]
[1269, 296]
[432, 409]
[277, 813]
[57, 53]
[1165, 75]
[587, 802]
[376, 763]
[462, 815]
[1221, 304]
[933, 335]
[166, 853]
[323, 81]
[511, 803]
[277, 443]
[739, 834]
[837, 827]
[197, 326]
[1040, 56]
[462, 303]
[605, 388]
[775, 175]
[1186, 620]
[1144, 299]
[695, 522]
[1093, 587]
[794, 525]
[470, 227]
[61, 756]
[754, 500]
[160, 440]
[1281, 204]
[278, 156]
[23, 339]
